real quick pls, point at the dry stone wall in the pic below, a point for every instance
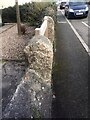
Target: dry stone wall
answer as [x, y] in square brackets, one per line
[40, 56]
[50, 29]
[33, 97]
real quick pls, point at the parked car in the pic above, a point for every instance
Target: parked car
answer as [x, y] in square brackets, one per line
[76, 9]
[62, 5]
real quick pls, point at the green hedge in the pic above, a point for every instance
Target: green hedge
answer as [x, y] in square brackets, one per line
[31, 13]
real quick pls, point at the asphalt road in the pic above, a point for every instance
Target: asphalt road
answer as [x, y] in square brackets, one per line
[70, 77]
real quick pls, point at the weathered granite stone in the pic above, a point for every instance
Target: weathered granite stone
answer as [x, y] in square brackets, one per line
[32, 99]
[33, 96]
[50, 29]
[12, 73]
[40, 56]
[20, 104]
[41, 95]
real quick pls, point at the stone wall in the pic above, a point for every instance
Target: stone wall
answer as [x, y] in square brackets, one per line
[40, 56]
[50, 29]
[33, 96]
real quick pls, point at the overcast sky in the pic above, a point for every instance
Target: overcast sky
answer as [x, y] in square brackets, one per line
[6, 3]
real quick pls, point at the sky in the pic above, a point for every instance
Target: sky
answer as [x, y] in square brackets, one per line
[6, 3]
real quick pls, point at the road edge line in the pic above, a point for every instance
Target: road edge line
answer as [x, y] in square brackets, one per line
[78, 36]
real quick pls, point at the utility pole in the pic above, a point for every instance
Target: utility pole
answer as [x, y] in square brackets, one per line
[0, 17]
[18, 18]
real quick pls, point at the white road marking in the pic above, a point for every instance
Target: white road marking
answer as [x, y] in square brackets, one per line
[62, 11]
[78, 36]
[86, 24]
[58, 14]
[61, 22]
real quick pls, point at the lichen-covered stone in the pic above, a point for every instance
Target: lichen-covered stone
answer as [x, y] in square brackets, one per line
[51, 35]
[33, 96]
[40, 56]
[29, 101]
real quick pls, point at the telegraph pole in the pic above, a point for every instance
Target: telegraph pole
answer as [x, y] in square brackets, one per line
[1, 16]
[18, 17]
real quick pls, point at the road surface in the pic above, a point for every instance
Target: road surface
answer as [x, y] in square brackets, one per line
[70, 77]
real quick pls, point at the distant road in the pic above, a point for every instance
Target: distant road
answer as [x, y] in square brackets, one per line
[82, 27]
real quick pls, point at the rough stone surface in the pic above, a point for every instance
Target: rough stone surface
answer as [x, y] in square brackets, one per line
[32, 98]
[12, 73]
[51, 29]
[40, 56]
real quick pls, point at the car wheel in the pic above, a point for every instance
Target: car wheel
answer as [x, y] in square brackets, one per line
[86, 16]
[60, 7]
[65, 14]
[68, 16]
